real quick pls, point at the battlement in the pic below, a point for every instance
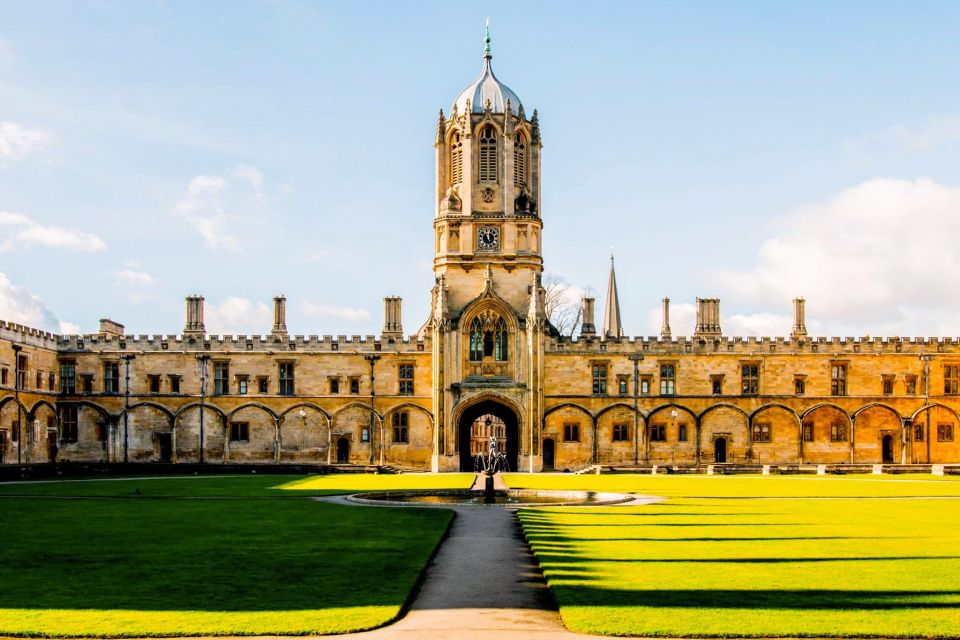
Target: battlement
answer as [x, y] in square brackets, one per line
[753, 345]
[22, 333]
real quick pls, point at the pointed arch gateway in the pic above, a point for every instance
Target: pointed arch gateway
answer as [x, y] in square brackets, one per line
[481, 421]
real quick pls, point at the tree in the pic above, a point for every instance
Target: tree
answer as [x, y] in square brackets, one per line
[563, 304]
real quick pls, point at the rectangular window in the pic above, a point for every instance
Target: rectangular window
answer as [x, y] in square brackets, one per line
[886, 385]
[807, 432]
[365, 434]
[406, 379]
[951, 379]
[68, 378]
[286, 378]
[658, 433]
[153, 383]
[354, 386]
[716, 385]
[400, 433]
[918, 433]
[69, 424]
[174, 384]
[838, 379]
[103, 432]
[51, 381]
[242, 386]
[599, 379]
[263, 384]
[334, 386]
[681, 433]
[838, 432]
[111, 377]
[571, 433]
[39, 380]
[22, 371]
[761, 432]
[3, 376]
[86, 383]
[621, 433]
[749, 379]
[221, 378]
[623, 385]
[799, 385]
[944, 433]
[239, 432]
[645, 386]
[15, 431]
[911, 382]
[668, 379]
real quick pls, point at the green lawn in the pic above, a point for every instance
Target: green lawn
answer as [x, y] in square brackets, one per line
[755, 556]
[126, 564]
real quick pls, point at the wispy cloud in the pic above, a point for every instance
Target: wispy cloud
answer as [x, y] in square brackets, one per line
[134, 277]
[21, 231]
[919, 137]
[312, 310]
[237, 315]
[18, 141]
[18, 304]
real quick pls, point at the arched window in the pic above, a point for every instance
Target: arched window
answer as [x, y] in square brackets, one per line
[488, 154]
[519, 161]
[456, 159]
[476, 341]
[500, 341]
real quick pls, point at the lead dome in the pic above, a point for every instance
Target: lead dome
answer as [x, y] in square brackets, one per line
[487, 88]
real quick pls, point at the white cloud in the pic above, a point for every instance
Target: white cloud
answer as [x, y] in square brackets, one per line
[24, 232]
[18, 141]
[18, 304]
[683, 320]
[328, 311]
[134, 277]
[220, 209]
[236, 315]
[251, 174]
[931, 133]
[879, 258]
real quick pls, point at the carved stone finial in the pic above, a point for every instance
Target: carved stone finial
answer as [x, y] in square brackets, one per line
[535, 128]
[441, 128]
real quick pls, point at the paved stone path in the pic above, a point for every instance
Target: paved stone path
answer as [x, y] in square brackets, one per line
[483, 583]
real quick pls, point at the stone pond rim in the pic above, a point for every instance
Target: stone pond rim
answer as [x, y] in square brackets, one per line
[508, 497]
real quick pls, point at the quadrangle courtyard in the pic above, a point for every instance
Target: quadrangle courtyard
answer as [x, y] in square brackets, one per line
[853, 556]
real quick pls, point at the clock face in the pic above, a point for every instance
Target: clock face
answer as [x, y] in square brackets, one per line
[488, 238]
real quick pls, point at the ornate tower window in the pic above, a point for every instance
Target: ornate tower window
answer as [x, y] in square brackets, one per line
[519, 161]
[489, 338]
[456, 159]
[488, 154]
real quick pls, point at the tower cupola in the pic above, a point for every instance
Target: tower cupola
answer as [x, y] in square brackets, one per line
[487, 90]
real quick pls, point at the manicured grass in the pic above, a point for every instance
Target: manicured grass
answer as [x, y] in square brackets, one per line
[181, 566]
[749, 556]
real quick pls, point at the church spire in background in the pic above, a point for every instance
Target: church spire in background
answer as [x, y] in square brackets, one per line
[611, 317]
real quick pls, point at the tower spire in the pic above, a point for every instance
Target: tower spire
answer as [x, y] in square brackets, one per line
[486, 42]
[611, 317]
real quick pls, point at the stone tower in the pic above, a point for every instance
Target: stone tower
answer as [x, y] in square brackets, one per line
[488, 319]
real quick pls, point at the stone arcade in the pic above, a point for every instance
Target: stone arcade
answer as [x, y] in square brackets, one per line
[487, 363]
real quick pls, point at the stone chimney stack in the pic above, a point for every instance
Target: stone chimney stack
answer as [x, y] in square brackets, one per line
[392, 322]
[799, 319]
[588, 329]
[708, 318]
[194, 327]
[110, 329]
[665, 327]
[279, 317]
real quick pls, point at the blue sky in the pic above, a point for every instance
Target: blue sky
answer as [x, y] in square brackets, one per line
[750, 151]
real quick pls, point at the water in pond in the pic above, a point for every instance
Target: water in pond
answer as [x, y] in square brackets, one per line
[510, 497]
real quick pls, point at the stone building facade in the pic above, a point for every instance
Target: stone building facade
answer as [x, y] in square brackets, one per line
[488, 355]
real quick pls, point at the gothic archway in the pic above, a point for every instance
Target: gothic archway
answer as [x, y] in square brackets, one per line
[480, 421]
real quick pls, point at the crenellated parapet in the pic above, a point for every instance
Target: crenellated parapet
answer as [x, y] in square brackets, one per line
[226, 344]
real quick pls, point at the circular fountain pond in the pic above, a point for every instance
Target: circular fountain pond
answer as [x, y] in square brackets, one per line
[509, 497]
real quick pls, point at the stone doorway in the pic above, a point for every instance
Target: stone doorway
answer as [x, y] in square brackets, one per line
[548, 455]
[343, 451]
[482, 420]
[720, 450]
[887, 448]
[165, 444]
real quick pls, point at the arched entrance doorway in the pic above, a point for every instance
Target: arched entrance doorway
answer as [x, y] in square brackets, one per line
[720, 450]
[343, 451]
[481, 421]
[887, 446]
[548, 455]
